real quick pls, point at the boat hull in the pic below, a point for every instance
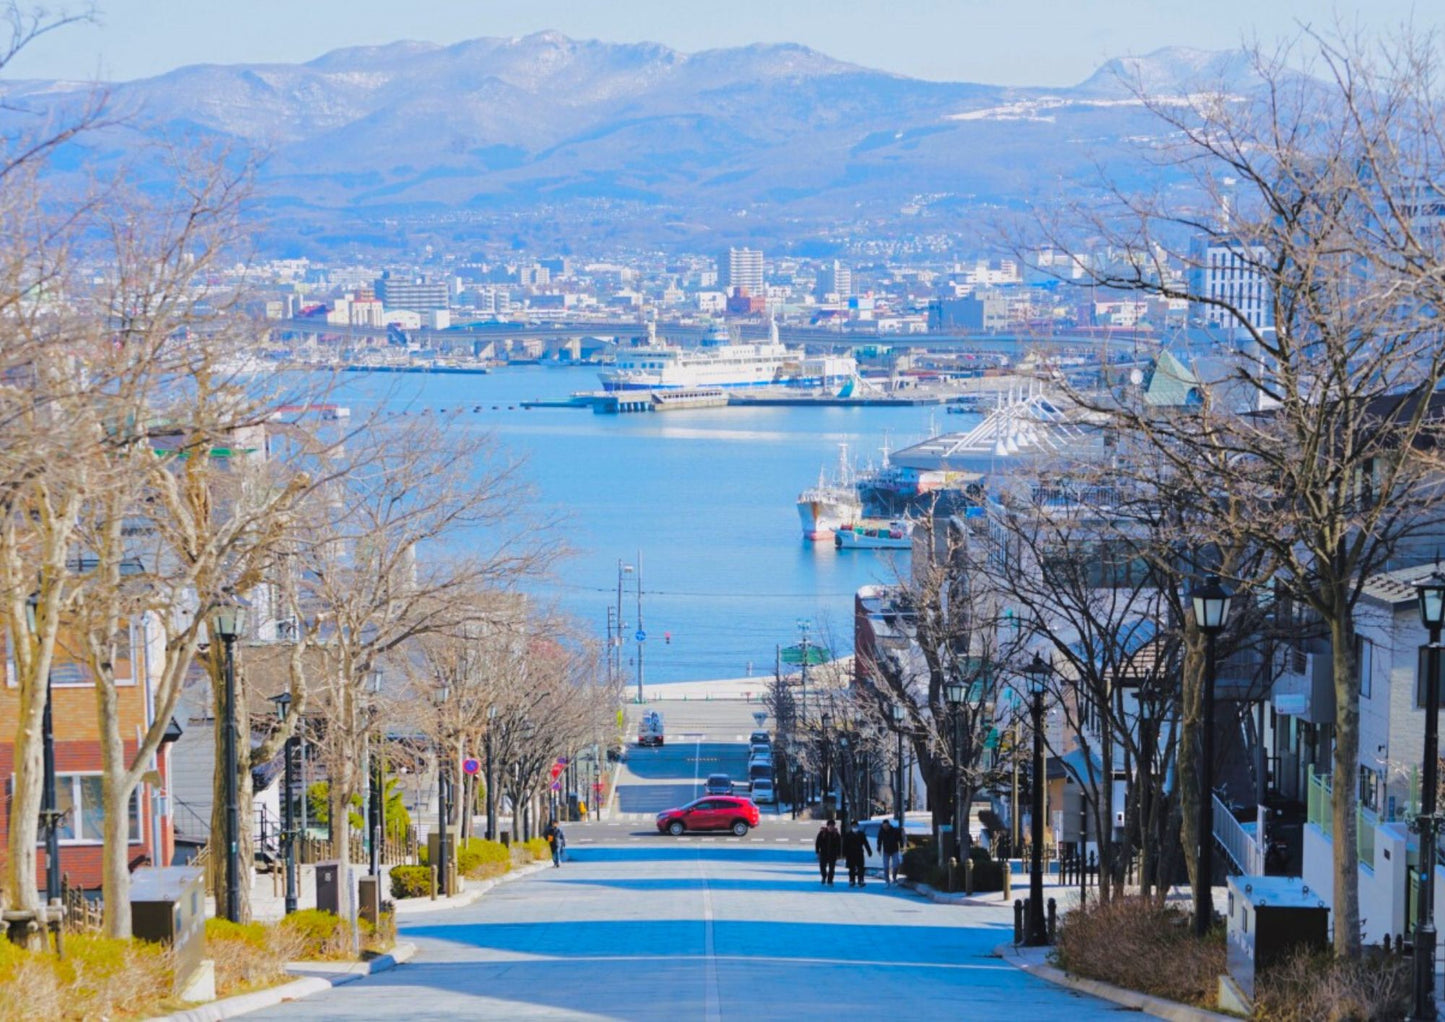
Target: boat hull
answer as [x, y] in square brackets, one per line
[875, 536]
[823, 510]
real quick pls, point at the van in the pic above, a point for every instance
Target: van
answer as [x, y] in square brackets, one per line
[760, 738]
[916, 826]
[757, 770]
[649, 729]
[763, 793]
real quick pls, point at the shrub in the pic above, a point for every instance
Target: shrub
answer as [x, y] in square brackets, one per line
[479, 859]
[249, 955]
[536, 850]
[919, 862]
[987, 871]
[1142, 945]
[1307, 987]
[410, 881]
[319, 934]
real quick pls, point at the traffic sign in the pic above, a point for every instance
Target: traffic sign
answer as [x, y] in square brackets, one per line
[556, 786]
[641, 636]
[556, 769]
[471, 765]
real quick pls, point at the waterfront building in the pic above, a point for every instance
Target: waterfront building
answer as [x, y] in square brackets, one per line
[414, 293]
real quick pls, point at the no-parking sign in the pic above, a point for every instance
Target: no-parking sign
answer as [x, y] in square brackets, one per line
[471, 765]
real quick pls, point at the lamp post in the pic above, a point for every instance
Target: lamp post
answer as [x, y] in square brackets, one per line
[439, 699]
[288, 824]
[491, 789]
[227, 621]
[1211, 611]
[954, 693]
[1430, 593]
[897, 712]
[49, 815]
[1036, 932]
[374, 780]
[826, 723]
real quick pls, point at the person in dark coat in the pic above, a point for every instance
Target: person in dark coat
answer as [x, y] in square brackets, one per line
[827, 845]
[855, 850]
[890, 846]
[556, 840]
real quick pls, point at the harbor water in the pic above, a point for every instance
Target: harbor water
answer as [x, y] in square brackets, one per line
[705, 497]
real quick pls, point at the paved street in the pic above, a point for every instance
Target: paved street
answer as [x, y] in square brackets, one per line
[640, 925]
[669, 930]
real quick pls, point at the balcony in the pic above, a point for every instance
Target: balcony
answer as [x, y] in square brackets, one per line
[1304, 685]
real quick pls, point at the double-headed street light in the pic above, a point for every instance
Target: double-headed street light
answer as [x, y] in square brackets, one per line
[1036, 933]
[227, 621]
[954, 692]
[491, 789]
[1211, 611]
[1430, 593]
[288, 825]
[439, 700]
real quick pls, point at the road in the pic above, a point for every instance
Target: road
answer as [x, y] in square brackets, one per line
[638, 925]
[709, 931]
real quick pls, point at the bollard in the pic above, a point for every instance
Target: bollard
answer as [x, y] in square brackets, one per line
[1018, 921]
[432, 881]
[952, 880]
[1008, 882]
[1053, 920]
[968, 875]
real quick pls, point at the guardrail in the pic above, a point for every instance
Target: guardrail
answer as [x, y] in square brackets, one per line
[1237, 842]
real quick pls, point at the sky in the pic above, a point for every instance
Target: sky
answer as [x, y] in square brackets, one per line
[1041, 42]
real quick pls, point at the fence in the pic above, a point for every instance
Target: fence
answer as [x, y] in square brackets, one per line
[1238, 843]
[1366, 820]
[1318, 808]
[82, 914]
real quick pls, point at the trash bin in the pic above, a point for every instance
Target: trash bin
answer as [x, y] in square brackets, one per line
[328, 886]
[368, 897]
[573, 814]
[505, 836]
[168, 905]
[1270, 918]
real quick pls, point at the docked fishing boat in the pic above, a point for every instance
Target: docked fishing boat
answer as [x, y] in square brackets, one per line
[823, 508]
[875, 534]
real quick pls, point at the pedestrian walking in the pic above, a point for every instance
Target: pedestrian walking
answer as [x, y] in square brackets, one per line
[556, 840]
[855, 850]
[890, 846]
[827, 845]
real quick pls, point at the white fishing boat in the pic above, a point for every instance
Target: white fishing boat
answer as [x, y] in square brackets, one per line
[824, 508]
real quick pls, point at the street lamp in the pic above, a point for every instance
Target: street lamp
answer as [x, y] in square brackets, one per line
[1211, 611]
[897, 712]
[227, 620]
[288, 825]
[954, 692]
[491, 791]
[374, 781]
[826, 723]
[1430, 592]
[439, 699]
[49, 814]
[1036, 932]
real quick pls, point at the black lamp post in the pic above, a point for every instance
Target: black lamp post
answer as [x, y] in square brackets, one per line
[954, 692]
[49, 815]
[491, 788]
[227, 621]
[288, 825]
[1211, 611]
[439, 698]
[1430, 592]
[826, 723]
[897, 712]
[374, 781]
[1036, 933]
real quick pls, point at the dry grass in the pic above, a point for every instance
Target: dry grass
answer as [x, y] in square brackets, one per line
[1144, 946]
[248, 956]
[1321, 988]
[98, 978]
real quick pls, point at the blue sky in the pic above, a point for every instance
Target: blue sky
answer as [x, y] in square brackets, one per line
[1042, 42]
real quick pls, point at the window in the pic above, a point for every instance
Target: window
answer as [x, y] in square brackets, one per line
[1364, 650]
[77, 797]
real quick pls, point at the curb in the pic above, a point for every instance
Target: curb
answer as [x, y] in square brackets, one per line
[346, 972]
[1133, 999]
[424, 906]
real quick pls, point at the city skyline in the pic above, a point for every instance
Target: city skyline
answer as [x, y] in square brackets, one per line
[1060, 44]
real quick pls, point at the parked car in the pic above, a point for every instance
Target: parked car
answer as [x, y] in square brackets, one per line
[718, 784]
[760, 738]
[760, 755]
[916, 827]
[711, 812]
[760, 749]
[760, 770]
[763, 793]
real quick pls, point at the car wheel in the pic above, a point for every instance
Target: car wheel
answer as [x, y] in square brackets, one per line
[740, 827]
[675, 828]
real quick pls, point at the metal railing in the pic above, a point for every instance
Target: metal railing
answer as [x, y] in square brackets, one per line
[1366, 820]
[1237, 842]
[1318, 807]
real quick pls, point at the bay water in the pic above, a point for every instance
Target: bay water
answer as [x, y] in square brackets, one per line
[703, 498]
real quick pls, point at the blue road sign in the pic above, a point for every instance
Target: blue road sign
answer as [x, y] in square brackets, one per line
[641, 636]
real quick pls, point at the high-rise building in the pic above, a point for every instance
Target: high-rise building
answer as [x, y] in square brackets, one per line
[834, 278]
[414, 293]
[1225, 272]
[744, 269]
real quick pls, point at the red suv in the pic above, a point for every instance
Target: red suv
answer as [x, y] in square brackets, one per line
[715, 812]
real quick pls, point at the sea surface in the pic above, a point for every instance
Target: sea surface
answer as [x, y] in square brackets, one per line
[703, 500]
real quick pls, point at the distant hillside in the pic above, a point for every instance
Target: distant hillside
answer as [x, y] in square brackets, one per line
[704, 142]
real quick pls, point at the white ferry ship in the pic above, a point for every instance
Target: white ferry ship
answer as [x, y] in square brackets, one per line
[721, 362]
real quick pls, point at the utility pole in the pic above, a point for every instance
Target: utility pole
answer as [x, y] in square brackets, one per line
[641, 635]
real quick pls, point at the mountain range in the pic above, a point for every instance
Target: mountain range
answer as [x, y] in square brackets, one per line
[516, 137]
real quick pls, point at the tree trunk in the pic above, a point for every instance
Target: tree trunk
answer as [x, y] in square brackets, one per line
[1346, 907]
[245, 813]
[115, 827]
[21, 890]
[1187, 767]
